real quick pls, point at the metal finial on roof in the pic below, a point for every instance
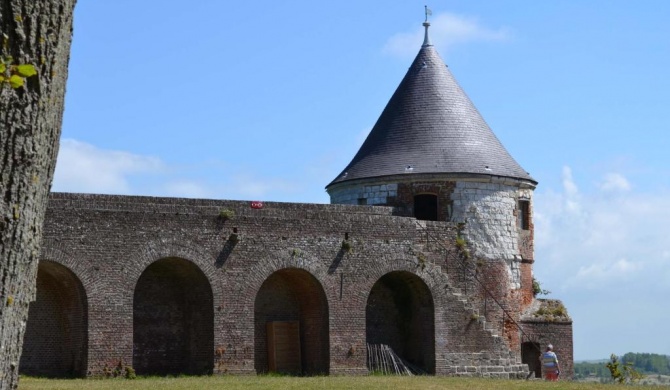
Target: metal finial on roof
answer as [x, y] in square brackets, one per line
[426, 24]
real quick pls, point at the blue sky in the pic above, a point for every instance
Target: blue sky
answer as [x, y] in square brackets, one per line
[270, 100]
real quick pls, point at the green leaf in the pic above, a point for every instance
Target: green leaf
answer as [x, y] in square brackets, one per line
[3, 68]
[16, 81]
[2, 78]
[26, 70]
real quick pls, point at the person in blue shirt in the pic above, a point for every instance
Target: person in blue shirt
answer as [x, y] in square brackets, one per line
[550, 364]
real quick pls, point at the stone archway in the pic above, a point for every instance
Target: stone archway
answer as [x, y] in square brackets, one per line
[56, 339]
[173, 320]
[400, 314]
[295, 299]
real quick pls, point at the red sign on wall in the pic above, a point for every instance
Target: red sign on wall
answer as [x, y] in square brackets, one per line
[256, 204]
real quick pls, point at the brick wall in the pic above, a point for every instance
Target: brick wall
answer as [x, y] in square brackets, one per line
[173, 320]
[546, 321]
[55, 343]
[488, 207]
[400, 314]
[109, 243]
[559, 334]
[293, 295]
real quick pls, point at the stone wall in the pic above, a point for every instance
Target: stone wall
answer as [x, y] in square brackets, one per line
[109, 242]
[488, 211]
[370, 194]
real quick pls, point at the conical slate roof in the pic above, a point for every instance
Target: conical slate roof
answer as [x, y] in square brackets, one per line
[430, 126]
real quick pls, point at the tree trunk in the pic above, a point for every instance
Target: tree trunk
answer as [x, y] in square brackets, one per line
[36, 32]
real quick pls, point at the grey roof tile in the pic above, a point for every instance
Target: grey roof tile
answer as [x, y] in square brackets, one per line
[431, 126]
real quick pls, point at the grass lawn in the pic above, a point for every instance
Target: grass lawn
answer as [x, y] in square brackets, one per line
[329, 382]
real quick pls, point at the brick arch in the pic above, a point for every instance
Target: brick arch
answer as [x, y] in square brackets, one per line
[174, 248]
[400, 313]
[432, 275]
[291, 297]
[173, 319]
[429, 274]
[56, 339]
[52, 251]
[289, 258]
[151, 252]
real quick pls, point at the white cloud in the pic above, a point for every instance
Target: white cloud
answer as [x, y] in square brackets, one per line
[82, 167]
[605, 254]
[446, 30]
[571, 192]
[614, 182]
[580, 234]
[569, 185]
[602, 274]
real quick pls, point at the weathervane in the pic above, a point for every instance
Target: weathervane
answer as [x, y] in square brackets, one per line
[426, 24]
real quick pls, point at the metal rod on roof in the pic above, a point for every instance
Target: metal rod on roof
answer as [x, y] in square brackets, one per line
[426, 24]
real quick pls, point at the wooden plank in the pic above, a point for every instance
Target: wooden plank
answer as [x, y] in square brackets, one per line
[284, 347]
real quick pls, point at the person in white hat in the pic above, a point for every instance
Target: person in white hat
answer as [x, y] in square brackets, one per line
[550, 364]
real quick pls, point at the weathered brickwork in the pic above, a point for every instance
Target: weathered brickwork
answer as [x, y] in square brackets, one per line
[173, 320]
[408, 328]
[403, 203]
[170, 286]
[526, 292]
[488, 208]
[559, 334]
[494, 216]
[293, 295]
[397, 193]
[56, 335]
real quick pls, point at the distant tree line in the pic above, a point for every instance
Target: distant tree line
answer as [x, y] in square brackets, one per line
[645, 363]
[648, 363]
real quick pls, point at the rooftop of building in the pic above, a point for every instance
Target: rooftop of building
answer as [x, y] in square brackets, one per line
[430, 126]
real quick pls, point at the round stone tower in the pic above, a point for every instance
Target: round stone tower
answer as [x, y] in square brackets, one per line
[432, 156]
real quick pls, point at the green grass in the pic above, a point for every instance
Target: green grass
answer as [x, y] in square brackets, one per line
[325, 382]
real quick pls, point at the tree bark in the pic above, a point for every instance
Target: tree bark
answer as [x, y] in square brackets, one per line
[36, 32]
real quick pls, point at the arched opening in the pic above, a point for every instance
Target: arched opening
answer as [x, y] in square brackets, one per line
[291, 324]
[400, 314]
[56, 339]
[173, 320]
[425, 207]
[530, 354]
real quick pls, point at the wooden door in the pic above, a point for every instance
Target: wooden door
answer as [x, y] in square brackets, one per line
[284, 347]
